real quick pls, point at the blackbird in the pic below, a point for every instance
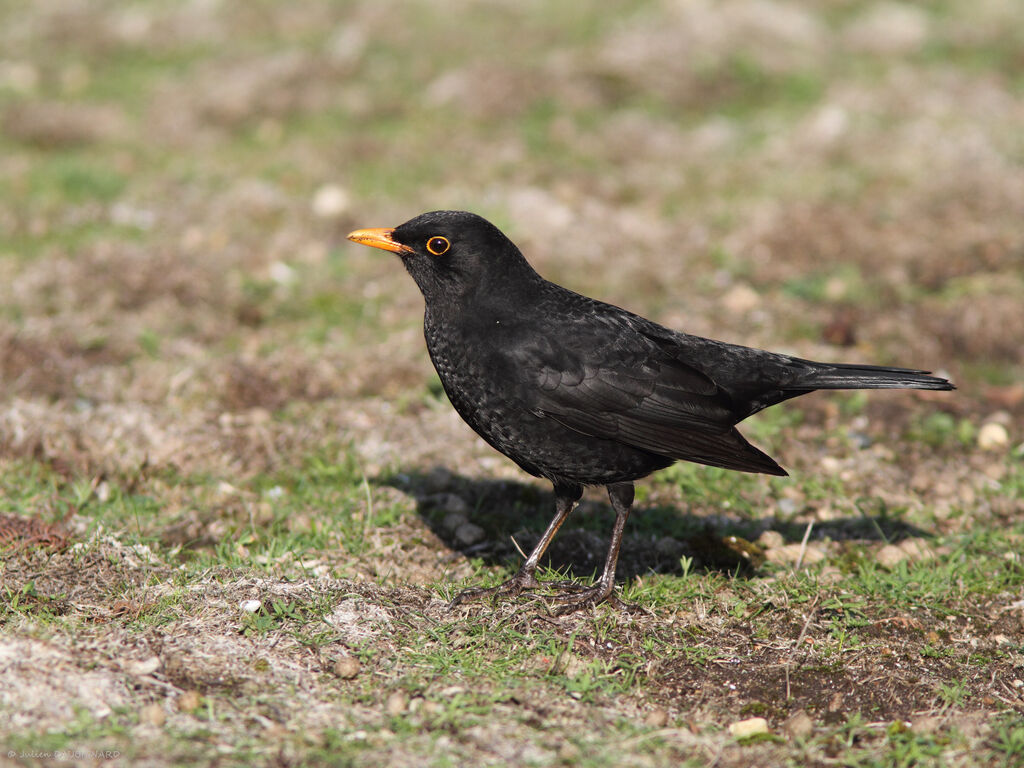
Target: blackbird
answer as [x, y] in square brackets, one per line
[584, 393]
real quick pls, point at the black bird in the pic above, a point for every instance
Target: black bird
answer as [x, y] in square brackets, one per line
[585, 393]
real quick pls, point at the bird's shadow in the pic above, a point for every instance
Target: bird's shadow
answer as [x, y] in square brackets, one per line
[486, 519]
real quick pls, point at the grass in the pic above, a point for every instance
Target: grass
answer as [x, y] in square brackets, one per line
[221, 404]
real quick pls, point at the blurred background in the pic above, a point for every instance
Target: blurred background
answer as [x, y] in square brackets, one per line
[842, 180]
[241, 498]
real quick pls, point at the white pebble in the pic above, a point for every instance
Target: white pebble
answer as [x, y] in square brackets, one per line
[20, 76]
[281, 273]
[330, 201]
[993, 436]
[744, 729]
[740, 299]
[831, 464]
[891, 556]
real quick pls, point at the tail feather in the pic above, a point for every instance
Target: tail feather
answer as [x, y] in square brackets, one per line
[847, 376]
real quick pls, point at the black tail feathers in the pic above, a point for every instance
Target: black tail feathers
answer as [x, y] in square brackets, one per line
[846, 376]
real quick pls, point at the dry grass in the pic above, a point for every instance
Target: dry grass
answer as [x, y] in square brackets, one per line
[207, 397]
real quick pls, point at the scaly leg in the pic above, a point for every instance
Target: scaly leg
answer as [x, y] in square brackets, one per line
[603, 590]
[526, 578]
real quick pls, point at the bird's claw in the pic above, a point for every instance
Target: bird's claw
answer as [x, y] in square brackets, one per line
[511, 588]
[575, 598]
[569, 598]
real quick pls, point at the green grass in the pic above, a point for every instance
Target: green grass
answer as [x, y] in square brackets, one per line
[487, 665]
[301, 506]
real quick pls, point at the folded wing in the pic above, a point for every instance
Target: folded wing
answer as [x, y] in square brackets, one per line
[627, 386]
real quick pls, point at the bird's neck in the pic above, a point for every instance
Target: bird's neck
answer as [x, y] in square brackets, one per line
[492, 308]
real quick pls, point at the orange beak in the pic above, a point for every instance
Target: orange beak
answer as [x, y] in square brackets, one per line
[378, 238]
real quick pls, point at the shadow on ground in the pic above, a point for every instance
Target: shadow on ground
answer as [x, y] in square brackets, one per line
[481, 518]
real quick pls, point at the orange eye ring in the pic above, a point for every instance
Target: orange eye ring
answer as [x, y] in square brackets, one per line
[438, 245]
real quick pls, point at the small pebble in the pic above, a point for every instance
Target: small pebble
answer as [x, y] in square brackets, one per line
[830, 574]
[144, 667]
[19, 76]
[569, 753]
[330, 201]
[744, 729]
[396, 704]
[656, 718]
[916, 549]
[468, 534]
[887, 28]
[831, 465]
[790, 554]
[449, 503]
[890, 556]
[993, 437]
[433, 708]
[788, 507]
[189, 701]
[798, 726]
[995, 471]
[859, 439]
[281, 273]
[835, 704]
[453, 520]
[925, 724]
[153, 714]
[438, 479]
[740, 299]
[249, 606]
[771, 539]
[346, 667]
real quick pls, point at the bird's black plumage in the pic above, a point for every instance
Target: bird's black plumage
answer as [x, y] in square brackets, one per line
[585, 393]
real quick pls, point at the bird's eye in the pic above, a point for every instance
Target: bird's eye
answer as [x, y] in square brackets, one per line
[438, 245]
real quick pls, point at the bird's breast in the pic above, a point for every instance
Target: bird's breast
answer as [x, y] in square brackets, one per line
[487, 390]
[469, 362]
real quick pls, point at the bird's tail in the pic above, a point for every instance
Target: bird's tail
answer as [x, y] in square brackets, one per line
[845, 376]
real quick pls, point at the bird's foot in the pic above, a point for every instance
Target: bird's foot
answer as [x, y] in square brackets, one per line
[569, 598]
[511, 588]
[573, 597]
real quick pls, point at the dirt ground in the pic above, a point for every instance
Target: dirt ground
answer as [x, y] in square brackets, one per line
[234, 502]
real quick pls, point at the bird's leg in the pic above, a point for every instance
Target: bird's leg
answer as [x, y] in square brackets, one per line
[603, 590]
[526, 578]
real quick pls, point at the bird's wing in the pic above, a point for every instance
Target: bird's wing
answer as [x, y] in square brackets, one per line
[613, 380]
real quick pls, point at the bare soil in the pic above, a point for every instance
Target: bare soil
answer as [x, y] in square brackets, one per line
[181, 319]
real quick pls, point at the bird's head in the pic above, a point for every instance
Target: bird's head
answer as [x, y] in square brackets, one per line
[450, 254]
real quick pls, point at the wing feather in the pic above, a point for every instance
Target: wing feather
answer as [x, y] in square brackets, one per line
[632, 388]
